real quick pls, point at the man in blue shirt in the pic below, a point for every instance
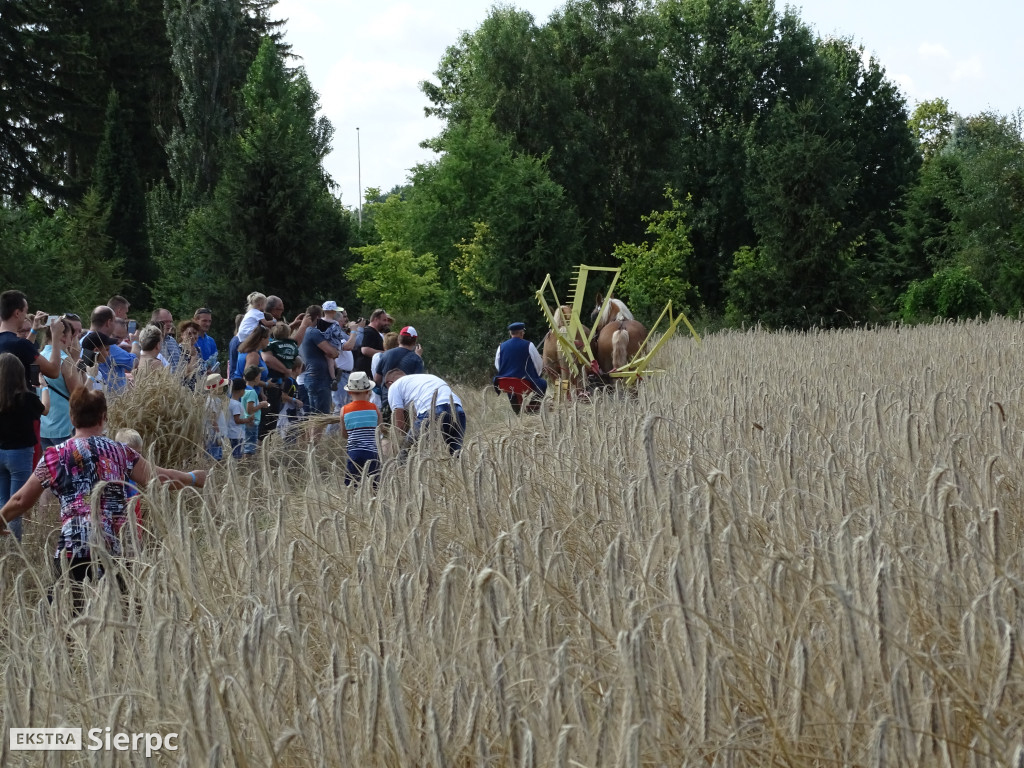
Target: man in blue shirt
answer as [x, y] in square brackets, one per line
[518, 358]
[205, 344]
[117, 363]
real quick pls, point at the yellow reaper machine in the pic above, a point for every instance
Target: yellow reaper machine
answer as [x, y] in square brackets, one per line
[568, 329]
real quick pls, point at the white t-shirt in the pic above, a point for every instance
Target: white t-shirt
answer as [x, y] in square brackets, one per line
[419, 389]
[218, 417]
[249, 322]
[235, 431]
[345, 360]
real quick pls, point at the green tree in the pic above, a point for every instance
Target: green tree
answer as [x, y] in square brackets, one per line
[654, 273]
[932, 123]
[58, 258]
[393, 277]
[799, 183]
[586, 92]
[481, 180]
[116, 180]
[272, 220]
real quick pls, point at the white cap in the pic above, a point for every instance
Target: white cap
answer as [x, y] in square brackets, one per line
[330, 306]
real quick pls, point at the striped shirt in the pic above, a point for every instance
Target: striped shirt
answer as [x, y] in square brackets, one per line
[360, 418]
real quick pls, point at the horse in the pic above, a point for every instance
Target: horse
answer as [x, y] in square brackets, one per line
[557, 366]
[619, 336]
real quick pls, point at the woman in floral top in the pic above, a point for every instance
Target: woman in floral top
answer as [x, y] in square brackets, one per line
[72, 472]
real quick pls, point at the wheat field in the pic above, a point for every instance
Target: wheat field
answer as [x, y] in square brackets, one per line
[788, 549]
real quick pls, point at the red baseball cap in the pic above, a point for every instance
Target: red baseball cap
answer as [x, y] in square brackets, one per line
[409, 331]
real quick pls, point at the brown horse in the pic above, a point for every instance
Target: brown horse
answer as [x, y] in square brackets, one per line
[619, 336]
[557, 366]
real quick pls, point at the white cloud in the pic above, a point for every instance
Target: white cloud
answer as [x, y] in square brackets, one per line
[933, 51]
[905, 83]
[968, 69]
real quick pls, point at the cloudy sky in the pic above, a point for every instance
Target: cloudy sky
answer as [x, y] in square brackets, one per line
[366, 61]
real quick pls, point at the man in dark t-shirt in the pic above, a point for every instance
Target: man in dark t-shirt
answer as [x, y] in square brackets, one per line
[373, 341]
[13, 312]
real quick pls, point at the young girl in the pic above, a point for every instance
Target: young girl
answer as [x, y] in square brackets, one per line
[254, 316]
[238, 420]
[216, 425]
[253, 405]
[19, 410]
[359, 421]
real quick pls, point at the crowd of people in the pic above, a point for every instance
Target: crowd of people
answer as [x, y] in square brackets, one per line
[320, 371]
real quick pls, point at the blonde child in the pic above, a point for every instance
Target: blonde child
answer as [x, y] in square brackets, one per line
[255, 314]
[216, 424]
[132, 439]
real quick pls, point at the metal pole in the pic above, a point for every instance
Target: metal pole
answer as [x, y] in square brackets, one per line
[359, 166]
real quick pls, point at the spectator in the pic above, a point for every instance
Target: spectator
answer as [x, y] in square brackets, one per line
[20, 409]
[405, 356]
[280, 357]
[118, 364]
[237, 418]
[192, 368]
[96, 348]
[205, 344]
[73, 470]
[250, 356]
[390, 342]
[216, 414]
[55, 426]
[359, 421]
[432, 401]
[255, 315]
[13, 313]
[253, 405]
[150, 340]
[333, 332]
[249, 353]
[315, 351]
[119, 306]
[275, 308]
[372, 343]
[169, 349]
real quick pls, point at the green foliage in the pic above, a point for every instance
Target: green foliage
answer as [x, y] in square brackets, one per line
[474, 267]
[116, 180]
[952, 292]
[587, 92]
[932, 124]
[390, 276]
[271, 223]
[751, 287]
[531, 230]
[454, 349]
[59, 260]
[655, 273]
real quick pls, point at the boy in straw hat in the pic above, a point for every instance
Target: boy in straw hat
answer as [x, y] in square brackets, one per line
[359, 421]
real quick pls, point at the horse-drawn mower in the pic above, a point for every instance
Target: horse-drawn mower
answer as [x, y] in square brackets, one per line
[609, 351]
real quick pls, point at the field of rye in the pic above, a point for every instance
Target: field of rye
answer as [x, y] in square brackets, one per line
[789, 549]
